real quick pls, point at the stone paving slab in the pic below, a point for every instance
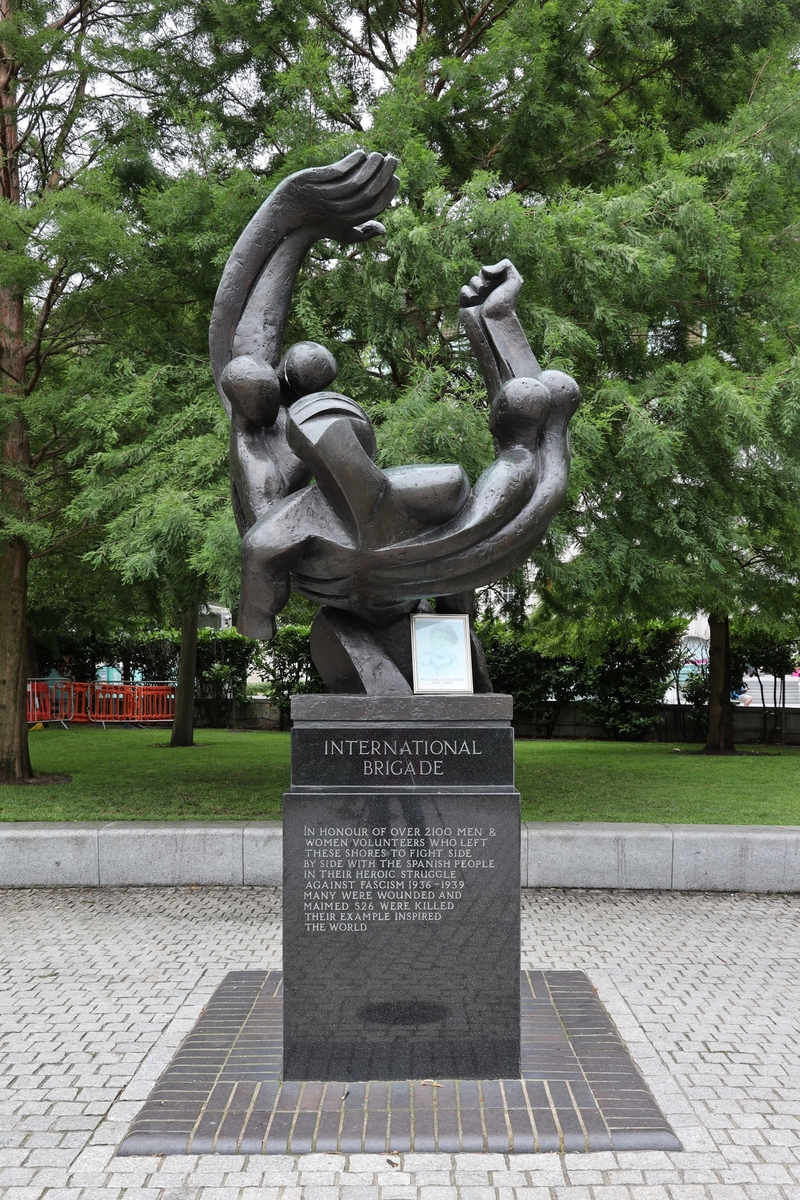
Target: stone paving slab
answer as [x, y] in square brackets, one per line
[98, 987]
[223, 1092]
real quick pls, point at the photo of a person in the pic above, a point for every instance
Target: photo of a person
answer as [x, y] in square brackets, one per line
[438, 643]
[442, 661]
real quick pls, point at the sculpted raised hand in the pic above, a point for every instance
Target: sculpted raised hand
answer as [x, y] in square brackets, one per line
[494, 289]
[251, 308]
[339, 201]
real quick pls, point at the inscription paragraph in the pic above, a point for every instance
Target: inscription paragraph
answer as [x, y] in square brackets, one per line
[354, 876]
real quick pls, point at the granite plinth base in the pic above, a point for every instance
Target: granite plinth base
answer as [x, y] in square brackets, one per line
[341, 709]
[578, 1089]
[401, 935]
[401, 890]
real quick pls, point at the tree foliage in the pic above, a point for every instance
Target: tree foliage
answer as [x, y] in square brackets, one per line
[618, 675]
[636, 160]
[156, 481]
[286, 667]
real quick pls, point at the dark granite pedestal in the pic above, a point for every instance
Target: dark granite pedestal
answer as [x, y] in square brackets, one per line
[401, 890]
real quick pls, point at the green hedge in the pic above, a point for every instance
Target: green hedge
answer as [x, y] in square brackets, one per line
[620, 688]
[225, 659]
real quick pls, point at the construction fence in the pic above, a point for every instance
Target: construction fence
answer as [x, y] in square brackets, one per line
[82, 703]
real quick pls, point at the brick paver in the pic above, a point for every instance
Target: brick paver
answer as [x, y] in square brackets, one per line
[223, 1092]
[98, 987]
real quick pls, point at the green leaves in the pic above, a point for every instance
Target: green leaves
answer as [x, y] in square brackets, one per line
[430, 422]
[618, 681]
[157, 480]
[637, 161]
[686, 494]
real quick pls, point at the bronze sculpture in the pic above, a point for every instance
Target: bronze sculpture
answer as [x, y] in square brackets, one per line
[370, 546]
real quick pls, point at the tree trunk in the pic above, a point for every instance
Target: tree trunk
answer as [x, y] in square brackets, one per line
[15, 763]
[183, 724]
[32, 667]
[720, 710]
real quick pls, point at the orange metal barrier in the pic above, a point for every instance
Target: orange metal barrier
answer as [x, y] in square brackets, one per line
[62, 700]
[38, 701]
[81, 703]
[155, 702]
[112, 702]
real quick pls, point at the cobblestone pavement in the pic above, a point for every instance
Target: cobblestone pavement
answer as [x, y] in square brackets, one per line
[99, 987]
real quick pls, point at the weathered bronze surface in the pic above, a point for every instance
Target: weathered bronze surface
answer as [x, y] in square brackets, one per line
[370, 545]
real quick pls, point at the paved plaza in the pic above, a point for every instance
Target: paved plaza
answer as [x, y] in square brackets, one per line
[99, 986]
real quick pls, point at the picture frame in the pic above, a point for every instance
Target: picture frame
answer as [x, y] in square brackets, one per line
[441, 654]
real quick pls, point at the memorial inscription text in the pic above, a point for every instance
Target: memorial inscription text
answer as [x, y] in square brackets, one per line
[402, 758]
[398, 757]
[354, 876]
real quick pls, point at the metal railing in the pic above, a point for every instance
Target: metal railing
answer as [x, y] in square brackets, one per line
[99, 703]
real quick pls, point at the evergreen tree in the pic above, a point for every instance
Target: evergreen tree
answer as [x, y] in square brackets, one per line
[64, 238]
[83, 284]
[157, 487]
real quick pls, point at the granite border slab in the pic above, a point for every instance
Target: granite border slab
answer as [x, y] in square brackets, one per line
[134, 853]
[729, 858]
[262, 854]
[739, 858]
[594, 854]
[49, 854]
[577, 1088]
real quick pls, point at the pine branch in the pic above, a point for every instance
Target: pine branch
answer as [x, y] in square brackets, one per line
[381, 34]
[473, 33]
[62, 541]
[356, 46]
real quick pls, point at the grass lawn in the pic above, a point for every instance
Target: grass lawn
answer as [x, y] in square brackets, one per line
[131, 775]
[128, 774]
[649, 781]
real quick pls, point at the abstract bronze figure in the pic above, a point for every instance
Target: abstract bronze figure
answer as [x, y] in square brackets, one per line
[370, 546]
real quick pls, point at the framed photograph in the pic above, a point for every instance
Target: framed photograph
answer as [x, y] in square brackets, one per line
[441, 654]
